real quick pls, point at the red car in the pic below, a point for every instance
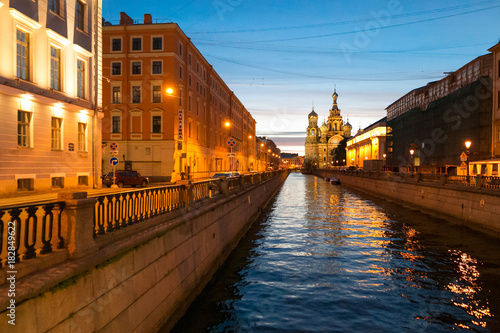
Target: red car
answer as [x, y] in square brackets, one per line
[125, 177]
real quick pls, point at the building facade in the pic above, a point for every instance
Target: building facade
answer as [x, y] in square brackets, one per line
[367, 145]
[433, 122]
[495, 75]
[49, 95]
[320, 141]
[166, 108]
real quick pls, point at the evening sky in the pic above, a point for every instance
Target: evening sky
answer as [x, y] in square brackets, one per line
[282, 57]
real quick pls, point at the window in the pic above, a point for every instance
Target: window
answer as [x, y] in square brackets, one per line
[82, 137]
[498, 134]
[55, 6]
[180, 97]
[22, 55]
[156, 124]
[136, 94]
[498, 68]
[136, 44]
[189, 59]
[83, 180]
[23, 129]
[116, 68]
[498, 99]
[189, 79]
[157, 67]
[55, 134]
[136, 67]
[58, 182]
[157, 43]
[80, 78]
[26, 184]
[180, 49]
[116, 121]
[180, 72]
[116, 95]
[80, 15]
[156, 94]
[55, 68]
[116, 44]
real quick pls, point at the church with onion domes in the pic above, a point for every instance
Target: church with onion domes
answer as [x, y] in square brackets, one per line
[320, 141]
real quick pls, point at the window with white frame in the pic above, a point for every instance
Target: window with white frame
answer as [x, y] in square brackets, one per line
[80, 78]
[156, 94]
[157, 44]
[55, 133]
[55, 6]
[136, 43]
[55, 68]
[82, 137]
[116, 44]
[22, 55]
[24, 129]
[156, 67]
[156, 124]
[136, 68]
[116, 68]
[136, 94]
[80, 15]
[116, 95]
[116, 123]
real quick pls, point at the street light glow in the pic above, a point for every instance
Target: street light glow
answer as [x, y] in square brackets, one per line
[170, 91]
[467, 144]
[227, 124]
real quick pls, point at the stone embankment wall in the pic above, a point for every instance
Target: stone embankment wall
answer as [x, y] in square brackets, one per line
[139, 278]
[478, 208]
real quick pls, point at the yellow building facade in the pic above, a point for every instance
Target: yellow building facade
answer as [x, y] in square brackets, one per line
[50, 90]
[367, 144]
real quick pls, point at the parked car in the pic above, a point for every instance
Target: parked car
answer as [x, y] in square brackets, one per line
[125, 177]
[226, 174]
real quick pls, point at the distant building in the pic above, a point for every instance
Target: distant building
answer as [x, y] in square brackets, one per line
[367, 145]
[268, 155]
[495, 148]
[291, 161]
[320, 141]
[168, 110]
[50, 88]
[434, 121]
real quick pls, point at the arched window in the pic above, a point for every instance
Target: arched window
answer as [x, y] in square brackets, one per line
[335, 127]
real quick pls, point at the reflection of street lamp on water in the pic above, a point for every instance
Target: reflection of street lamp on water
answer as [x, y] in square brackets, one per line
[468, 143]
[411, 153]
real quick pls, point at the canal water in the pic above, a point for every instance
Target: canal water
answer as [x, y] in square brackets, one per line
[326, 259]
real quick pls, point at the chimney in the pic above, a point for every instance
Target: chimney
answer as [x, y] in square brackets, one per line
[125, 19]
[148, 19]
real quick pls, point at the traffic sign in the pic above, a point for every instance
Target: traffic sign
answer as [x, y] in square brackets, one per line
[113, 161]
[113, 146]
[114, 152]
[231, 154]
[463, 165]
[463, 157]
[231, 142]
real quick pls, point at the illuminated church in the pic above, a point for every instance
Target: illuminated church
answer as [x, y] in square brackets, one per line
[321, 140]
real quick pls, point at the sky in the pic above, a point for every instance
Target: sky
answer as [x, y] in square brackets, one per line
[282, 57]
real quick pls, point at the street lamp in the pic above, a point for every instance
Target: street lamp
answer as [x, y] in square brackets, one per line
[468, 143]
[411, 153]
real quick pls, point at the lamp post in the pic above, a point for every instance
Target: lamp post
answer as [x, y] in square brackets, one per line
[468, 143]
[411, 153]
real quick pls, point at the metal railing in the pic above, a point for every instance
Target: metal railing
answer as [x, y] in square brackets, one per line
[118, 210]
[475, 181]
[29, 230]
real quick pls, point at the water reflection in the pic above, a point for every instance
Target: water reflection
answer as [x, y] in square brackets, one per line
[327, 259]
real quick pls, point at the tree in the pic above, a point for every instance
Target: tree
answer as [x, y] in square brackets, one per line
[339, 153]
